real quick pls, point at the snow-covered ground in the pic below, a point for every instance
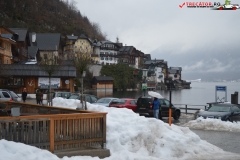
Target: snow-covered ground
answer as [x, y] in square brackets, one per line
[134, 137]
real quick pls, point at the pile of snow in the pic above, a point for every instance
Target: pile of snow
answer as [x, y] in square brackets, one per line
[130, 136]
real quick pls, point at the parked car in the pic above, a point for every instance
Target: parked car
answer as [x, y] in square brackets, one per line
[7, 95]
[223, 111]
[89, 98]
[105, 101]
[65, 95]
[144, 107]
[124, 103]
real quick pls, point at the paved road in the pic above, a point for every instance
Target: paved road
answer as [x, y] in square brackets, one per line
[228, 141]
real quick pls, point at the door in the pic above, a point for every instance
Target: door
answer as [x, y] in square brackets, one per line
[236, 114]
[5, 96]
[165, 107]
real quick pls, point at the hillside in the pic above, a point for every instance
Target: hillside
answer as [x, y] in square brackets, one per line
[54, 16]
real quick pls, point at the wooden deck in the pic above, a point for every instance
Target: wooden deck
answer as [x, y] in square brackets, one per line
[53, 128]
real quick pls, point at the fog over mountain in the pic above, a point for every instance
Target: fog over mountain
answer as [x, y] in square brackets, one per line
[204, 42]
[208, 63]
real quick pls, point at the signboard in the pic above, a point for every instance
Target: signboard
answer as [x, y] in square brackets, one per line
[144, 86]
[43, 82]
[221, 88]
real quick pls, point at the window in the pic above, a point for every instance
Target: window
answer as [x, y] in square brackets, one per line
[235, 109]
[102, 58]
[94, 99]
[6, 95]
[133, 102]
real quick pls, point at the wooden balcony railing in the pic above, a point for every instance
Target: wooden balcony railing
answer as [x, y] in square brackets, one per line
[54, 128]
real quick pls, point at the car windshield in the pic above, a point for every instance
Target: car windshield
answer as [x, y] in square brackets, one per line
[119, 101]
[104, 100]
[74, 97]
[216, 108]
[14, 95]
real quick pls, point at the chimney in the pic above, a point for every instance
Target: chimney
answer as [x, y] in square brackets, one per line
[34, 37]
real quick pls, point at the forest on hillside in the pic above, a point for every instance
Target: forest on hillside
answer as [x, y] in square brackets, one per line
[48, 16]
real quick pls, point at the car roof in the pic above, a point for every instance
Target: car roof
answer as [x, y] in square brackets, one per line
[224, 104]
[109, 98]
[129, 98]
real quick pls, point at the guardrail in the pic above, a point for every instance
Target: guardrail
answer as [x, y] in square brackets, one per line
[190, 107]
[66, 129]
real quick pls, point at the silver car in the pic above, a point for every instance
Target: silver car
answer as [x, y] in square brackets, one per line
[7, 95]
[105, 101]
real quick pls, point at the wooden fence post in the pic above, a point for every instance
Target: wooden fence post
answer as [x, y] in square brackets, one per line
[51, 135]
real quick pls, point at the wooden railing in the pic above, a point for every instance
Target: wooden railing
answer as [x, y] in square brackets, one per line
[72, 130]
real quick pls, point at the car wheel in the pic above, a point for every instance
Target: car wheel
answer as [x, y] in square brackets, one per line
[176, 115]
[229, 120]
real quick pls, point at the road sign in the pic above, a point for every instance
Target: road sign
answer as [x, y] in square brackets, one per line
[144, 86]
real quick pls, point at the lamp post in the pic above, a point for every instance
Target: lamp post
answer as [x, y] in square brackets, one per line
[170, 82]
[144, 84]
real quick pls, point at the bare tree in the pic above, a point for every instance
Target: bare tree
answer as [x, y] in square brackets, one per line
[81, 62]
[50, 66]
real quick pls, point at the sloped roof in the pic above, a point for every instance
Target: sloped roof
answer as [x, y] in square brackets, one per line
[37, 71]
[46, 41]
[176, 68]
[32, 51]
[21, 32]
[71, 37]
[127, 49]
[103, 78]
[154, 61]
[172, 71]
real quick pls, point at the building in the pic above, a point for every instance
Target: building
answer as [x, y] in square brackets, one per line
[105, 52]
[7, 45]
[33, 77]
[77, 46]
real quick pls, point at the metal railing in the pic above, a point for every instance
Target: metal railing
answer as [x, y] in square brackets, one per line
[189, 108]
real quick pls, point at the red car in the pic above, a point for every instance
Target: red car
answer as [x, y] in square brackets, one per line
[129, 103]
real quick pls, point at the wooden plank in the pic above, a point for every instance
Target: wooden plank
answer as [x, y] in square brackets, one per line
[79, 141]
[51, 135]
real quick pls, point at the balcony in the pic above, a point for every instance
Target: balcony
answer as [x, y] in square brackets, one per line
[55, 129]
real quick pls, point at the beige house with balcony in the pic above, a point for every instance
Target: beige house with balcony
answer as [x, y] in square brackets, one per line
[76, 45]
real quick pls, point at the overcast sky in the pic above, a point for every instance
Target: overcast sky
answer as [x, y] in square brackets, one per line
[204, 42]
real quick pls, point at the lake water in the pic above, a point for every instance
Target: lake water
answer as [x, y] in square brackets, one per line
[200, 93]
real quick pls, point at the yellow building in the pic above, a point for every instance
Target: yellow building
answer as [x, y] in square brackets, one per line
[77, 46]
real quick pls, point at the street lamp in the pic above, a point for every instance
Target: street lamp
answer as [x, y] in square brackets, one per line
[144, 84]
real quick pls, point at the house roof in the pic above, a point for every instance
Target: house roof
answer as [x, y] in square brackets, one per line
[32, 51]
[154, 61]
[37, 71]
[21, 32]
[126, 49]
[103, 78]
[46, 41]
[71, 37]
[176, 68]
[172, 71]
